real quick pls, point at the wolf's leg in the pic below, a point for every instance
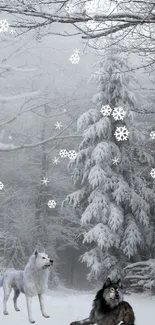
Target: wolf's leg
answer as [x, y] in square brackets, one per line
[29, 303]
[16, 295]
[7, 290]
[41, 301]
[86, 321]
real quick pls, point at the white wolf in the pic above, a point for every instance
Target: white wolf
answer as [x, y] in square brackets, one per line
[32, 282]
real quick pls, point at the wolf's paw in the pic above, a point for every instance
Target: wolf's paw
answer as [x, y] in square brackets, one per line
[5, 312]
[32, 321]
[46, 316]
[17, 309]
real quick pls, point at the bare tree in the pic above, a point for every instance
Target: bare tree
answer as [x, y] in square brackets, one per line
[30, 106]
[131, 20]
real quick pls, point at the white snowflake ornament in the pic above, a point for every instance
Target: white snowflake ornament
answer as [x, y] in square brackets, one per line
[106, 110]
[58, 125]
[121, 133]
[12, 31]
[4, 26]
[115, 161]
[52, 204]
[56, 161]
[118, 113]
[152, 134]
[75, 57]
[63, 153]
[72, 154]
[1, 185]
[44, 181]
[152, 173]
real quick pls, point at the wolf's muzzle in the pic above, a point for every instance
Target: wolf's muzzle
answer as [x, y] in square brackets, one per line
[116, 295]
[48, 265]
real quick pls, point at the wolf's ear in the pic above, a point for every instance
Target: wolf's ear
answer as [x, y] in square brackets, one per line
[36, 252]
[107, 283]
[119, 283]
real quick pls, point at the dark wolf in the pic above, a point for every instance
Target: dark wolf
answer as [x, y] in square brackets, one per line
[109, 308]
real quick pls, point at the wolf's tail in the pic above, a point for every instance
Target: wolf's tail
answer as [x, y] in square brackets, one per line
[1, 281]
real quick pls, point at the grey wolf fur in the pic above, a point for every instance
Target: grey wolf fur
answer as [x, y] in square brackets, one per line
[32, 281]
[109, 308]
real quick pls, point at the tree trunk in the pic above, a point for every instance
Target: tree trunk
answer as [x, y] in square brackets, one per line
[41, 202]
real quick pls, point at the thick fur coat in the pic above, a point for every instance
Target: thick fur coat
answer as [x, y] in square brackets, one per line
[32, 281]
[109, 308]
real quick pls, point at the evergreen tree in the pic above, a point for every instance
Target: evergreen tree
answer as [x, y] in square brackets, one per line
[114, 198]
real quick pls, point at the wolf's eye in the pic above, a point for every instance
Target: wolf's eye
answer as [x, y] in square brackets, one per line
[43, 258]
[112, 289]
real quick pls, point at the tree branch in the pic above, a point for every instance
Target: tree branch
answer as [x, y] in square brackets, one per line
[138, 277]
[143, 263]
[11, 147]
[8, 67]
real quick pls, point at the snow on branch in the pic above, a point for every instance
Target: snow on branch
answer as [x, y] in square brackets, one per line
[128, 14]
[141, 275]
[143, 263]
[138, 277]
[7, 147]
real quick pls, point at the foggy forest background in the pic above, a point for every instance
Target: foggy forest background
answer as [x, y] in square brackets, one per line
[40, 87]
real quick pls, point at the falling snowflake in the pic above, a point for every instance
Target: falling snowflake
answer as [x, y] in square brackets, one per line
[56, 161]
[121, 133]
[1, 185]
[106, 110]
[75, 57]
[70, 8]
[44, 181]
[152, 134]
[91, 24]
[65, 110]
[90, 7]
[72, 154]
[63, 153]
[11, 31]
[10, 137]
[58, 125]
[115, 161]
[52, 204]
[4, 26]
[118, 113]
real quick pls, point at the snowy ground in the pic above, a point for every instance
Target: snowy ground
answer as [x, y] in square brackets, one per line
[66, 306]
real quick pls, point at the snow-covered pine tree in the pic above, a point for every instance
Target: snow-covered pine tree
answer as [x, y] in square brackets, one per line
[114, 199]
[140, 276]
